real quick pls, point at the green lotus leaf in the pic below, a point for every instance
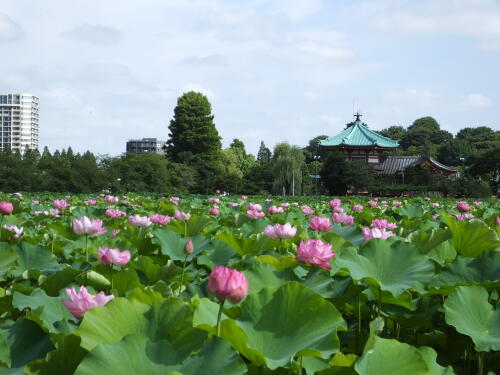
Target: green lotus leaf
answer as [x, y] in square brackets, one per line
[484, 269]
[169, 319]
[54, 283]
[469, 311]
[428, 240]
[63, 360]
[244, 245]
[27, 341]
[470, 238]
[172, 243]
[262, 275]
[36, 257]
[215, 357]
[411, 211]
[195, 225]
[389, 356]
[278, 324]
[393, 266]
[349, 233]
[135, 354]
[48, 311]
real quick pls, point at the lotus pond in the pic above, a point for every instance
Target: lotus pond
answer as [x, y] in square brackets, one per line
[309, 285]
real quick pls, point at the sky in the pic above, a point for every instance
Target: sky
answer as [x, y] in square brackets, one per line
[273, 70]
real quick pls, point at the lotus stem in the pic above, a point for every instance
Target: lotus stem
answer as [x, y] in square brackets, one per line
[219, 316]
[182, 276]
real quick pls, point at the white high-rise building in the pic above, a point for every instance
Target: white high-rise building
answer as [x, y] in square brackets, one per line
[19, 121]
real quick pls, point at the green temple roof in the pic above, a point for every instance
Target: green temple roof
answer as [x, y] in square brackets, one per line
[358, 134]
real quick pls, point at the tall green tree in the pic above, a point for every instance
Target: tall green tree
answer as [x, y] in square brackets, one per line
[193, 129]
[194, 139]
[312, 150]
[264, 155]
[287, 164]
[244, 161]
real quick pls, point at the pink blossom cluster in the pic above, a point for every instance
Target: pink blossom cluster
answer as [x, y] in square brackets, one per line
[343, 218]
[110, 199]
[320, 224]
[60, 204]
[254, 211]
[83, 301]
[160, 219]
[383, 224]
[275, 210]
[84, 225]
[369, 233]
[15, 229]
[114, 213]
[306, 210]
[316, 253]
[139, 221]
[280, 231]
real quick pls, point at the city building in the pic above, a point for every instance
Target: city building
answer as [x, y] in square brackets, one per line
[145, 145]
[19, 121]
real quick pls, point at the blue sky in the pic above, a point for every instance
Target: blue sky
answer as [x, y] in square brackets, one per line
[282, 70]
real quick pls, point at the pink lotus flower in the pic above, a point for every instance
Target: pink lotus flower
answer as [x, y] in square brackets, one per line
[357, 207]
[13, 228]
[254, 207]
[217, 191]
[179, 215]
[285, 205]
[114, 232]
[227, 283]
[397, 203]
[268, 200]
[114, 256]
[315, 252]
[306, 210]
[61, 204]
[90, 202]
[466, 216]
[234, 204]
[214, 200]
[383, 224]
[342, 218]
[254, 214]
[427, 198]
[244, 197]
[139, 221]
[372, 203]
[435, 204]
[110, 199]
[338, 210]
[175, 200]
[6, 208]
[476, 203]
[214, 211]
[280, 231]
[320, 224]
[463, 206]
[86, 226]
[18, 194]
[83, 301]
[434, 217]
[160, 219]
[35, 202]
[335, 203]
[114, 213]
[275, 210]
[369, 233]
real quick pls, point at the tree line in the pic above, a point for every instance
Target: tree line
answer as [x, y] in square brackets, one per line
[195, 161]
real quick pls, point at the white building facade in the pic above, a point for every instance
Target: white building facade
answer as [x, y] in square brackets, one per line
[19, 121]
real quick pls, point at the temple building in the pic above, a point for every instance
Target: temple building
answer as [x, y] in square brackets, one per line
[357, 142]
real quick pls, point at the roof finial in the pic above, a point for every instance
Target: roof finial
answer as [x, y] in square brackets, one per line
[357, 115]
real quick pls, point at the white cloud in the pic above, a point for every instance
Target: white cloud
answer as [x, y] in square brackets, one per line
[94, 34]
[10, 31]
[476, 18]
[477, 101]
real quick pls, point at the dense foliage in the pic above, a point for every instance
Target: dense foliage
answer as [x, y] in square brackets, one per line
[422, 301]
